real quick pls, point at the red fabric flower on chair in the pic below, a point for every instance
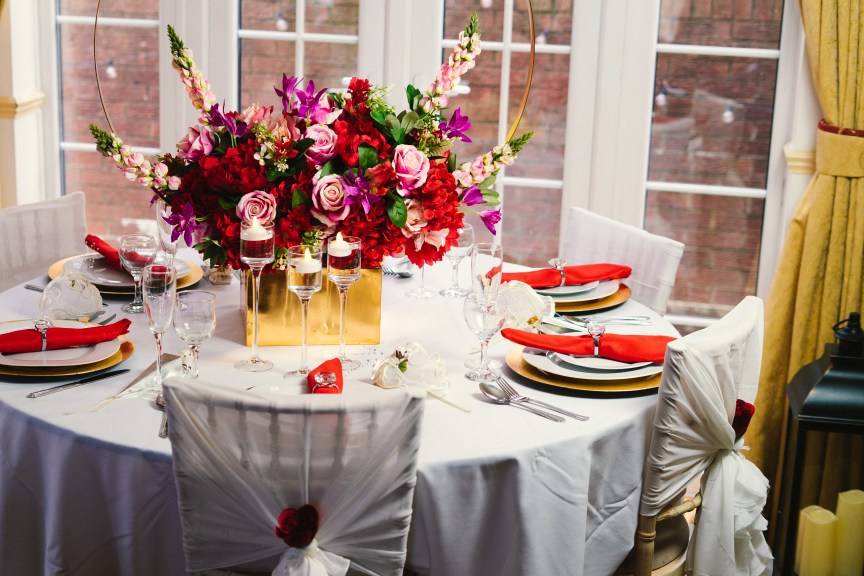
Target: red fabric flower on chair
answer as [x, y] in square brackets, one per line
[297, 527]
[743, 413]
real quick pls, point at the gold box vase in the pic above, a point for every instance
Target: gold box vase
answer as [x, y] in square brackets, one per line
[279, 311]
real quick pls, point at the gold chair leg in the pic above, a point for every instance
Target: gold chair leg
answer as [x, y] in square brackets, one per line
[645, 534]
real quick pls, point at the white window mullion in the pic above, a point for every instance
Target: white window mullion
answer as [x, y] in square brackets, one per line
[300, 44]
[108, 21]
[706, 189]
[521, 47]
[720, 51]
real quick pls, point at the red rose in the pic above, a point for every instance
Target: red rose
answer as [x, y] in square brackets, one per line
[297, 526]
[381, 178]
[743, 413]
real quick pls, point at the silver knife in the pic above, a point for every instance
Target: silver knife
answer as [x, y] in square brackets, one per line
[76, 383]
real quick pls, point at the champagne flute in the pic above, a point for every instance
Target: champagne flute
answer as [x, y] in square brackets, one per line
[455, 255]
[343, 270]
[487, 260]
[160, 288]
[194, 322]
[485, 318]
[304, 279]
[136, 252]
[165, 229]
[256, 251]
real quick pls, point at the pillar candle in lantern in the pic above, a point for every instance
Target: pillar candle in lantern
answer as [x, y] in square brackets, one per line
[849, 560]
[816, 536]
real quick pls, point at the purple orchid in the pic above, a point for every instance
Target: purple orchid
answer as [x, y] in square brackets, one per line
[357, 190]
[490, 219]
[309, 100]
[289, 90]
[236, 128]
[457, 126]
[472, 196]
[184, 223]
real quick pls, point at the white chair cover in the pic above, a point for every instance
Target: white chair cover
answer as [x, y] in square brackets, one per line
[703, 374]
[239, 460]
[34, 236]
[592, 238]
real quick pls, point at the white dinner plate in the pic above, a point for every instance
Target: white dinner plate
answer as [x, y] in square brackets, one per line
[95, 269]
[594, 363]
[57, 358]
[602, 290]
[567, 290]
[541, 361]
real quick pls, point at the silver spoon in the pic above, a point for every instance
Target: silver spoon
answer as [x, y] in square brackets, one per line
[163, 427]
[498, 396]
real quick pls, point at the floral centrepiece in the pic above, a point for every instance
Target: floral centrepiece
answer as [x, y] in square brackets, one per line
[325, 161]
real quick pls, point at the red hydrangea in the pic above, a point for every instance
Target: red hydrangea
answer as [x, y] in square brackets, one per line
[440, 210]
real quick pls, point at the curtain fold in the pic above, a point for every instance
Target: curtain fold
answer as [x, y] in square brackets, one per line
[819, 277]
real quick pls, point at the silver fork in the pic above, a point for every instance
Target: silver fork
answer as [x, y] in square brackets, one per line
[516, 397]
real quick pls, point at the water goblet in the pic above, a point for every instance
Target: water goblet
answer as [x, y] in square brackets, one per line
[256, 251]
[159, 284]
[455, 255]
[194, 322]
[343, 270]
[304, 279]
[487, 261]
[167, 242]
[484, 318]
[136, 252]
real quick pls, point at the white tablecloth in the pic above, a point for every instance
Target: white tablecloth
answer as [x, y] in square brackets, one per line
[499, 490]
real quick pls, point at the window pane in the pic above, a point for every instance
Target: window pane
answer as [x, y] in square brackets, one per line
[552, 21]
[114, 205]
[530, 225]
[491, 13]
[262, 63]
[128, 69]
[328, 64]
[277, 15]
[332, 16]
[545, 115]
[712, 120]
[115, 9]
[722, 237]
[745, 23]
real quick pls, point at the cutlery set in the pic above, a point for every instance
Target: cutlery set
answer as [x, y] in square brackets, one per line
[504, 393]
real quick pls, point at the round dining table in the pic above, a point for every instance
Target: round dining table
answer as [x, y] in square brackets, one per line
[91, 492]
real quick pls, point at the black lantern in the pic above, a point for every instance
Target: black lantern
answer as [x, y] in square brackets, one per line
[828, 396]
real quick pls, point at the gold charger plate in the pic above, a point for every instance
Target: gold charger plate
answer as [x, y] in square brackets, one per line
[519, 366]
[616, 299]
[193, 277]
[126, 350]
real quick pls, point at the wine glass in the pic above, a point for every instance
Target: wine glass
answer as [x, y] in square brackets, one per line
[165, 229]
[487, 261]
[136, 252]
[194, 322]
[421, 292]
[483, 317]
[304, 279]
[256, 251]
[160, 288]
[455, 255]
[343, 270]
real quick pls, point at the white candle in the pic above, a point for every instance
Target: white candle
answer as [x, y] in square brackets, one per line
[255, 232]
[338, 248]
[817, 541]
[307, 265]
[849, 560]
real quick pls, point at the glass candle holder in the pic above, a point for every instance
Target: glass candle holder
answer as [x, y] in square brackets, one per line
[343, 270]
[304, 279]
[256, 251]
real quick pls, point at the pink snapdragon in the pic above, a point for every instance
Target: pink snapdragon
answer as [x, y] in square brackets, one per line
[196, 85]
[475, 172]
[460, 61]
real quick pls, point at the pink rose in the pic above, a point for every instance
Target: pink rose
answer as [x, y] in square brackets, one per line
[415, 222]
[195, 145]
[324, 146]
[255, 114]
[411, 167]
[257, 204]
[328, 199]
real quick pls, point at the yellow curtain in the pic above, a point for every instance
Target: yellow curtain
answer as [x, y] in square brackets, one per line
[819, 278]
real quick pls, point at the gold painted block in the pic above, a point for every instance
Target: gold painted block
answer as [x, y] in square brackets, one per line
[279, 311]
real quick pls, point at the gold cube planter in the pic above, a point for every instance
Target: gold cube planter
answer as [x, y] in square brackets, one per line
[279, 311]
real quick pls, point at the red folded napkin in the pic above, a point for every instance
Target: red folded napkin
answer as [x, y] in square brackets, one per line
[57, 338]
[326, 378]
[573, 275]
[620, 347]
[111, 254]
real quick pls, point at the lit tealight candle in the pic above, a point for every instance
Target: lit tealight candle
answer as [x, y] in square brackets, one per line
[307, 265]
[338, 248]
[255, 232]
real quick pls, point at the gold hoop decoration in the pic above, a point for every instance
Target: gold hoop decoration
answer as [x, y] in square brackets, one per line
[524, 102]
[96, 68]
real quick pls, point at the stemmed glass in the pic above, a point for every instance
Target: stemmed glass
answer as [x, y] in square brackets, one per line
[485, 319]
[169, 246]
[455, 255]
[487, 260]
[343, 270]
[194, 322]
[136, 252]
[160, 289]
[256, 251]
[304, 279]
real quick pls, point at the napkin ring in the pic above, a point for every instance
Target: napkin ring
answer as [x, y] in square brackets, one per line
[42, 326]
[596, 331]
[325, 380]
[558, 263]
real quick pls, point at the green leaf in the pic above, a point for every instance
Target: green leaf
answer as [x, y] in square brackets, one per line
[403, 365]
[396, 210]
[227, 203]
[368, 156]
[394, 126]
[298, 198]
[414, 96]
[452, 164]
[212, 251]
[491, 197]
[408, 120]
[489, 182]
[379, 116]
[303, 144]
[328, 168]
